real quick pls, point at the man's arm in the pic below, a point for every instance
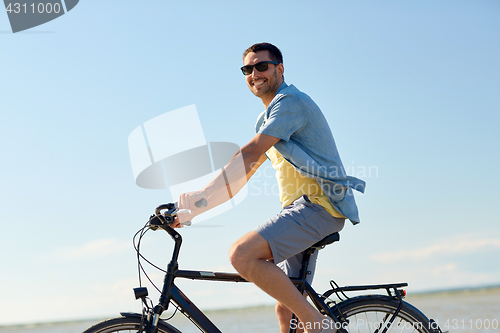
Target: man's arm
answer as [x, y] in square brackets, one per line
[231, 179]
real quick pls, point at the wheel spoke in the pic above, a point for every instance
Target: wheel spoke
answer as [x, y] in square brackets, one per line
[373, 315]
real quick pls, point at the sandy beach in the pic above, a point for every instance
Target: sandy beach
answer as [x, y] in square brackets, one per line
[456, 311]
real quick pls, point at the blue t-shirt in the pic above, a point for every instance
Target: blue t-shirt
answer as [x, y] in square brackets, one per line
[307, 143]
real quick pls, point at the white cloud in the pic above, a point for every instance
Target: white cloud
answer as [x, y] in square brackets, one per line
[456, 245]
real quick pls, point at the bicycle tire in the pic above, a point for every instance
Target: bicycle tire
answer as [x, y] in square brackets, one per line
[127, 325]
[367, 313]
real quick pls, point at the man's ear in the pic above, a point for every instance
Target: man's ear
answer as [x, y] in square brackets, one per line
[281, 69]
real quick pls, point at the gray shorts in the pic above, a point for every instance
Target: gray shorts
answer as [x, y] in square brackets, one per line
[296, 228]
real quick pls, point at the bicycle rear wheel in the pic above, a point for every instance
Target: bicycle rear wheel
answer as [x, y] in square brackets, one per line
[126, 325]
[373, 313]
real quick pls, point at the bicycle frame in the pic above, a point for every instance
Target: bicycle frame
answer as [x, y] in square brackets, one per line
[171, 292]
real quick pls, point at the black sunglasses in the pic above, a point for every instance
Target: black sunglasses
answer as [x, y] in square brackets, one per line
[260, 66]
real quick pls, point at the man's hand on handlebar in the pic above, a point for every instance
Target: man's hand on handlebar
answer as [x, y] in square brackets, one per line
[195, 202]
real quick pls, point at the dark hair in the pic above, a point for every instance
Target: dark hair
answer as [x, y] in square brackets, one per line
[274, 52]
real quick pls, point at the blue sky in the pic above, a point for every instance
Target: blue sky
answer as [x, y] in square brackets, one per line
[410, 90]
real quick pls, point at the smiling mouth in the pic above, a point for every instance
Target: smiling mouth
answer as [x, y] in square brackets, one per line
[258, 83]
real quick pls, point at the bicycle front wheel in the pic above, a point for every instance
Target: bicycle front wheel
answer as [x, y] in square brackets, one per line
[127, 325]
[373, 314]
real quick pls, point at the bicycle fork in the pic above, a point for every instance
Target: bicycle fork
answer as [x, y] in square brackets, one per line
[172, 267]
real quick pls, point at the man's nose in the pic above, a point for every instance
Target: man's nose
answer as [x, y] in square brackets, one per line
[255, 72]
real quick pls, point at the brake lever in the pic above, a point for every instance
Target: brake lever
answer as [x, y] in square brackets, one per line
[184, 210]
[184, 224]
[200, 204]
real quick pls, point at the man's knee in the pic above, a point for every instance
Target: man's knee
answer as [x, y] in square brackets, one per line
[236, 255]
[240, 254]
[248, 248]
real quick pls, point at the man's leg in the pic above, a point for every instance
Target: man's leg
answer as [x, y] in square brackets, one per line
[284, 315]
[250, 256]
[292, 267]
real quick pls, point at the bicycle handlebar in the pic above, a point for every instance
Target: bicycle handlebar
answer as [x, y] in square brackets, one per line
[167, 218]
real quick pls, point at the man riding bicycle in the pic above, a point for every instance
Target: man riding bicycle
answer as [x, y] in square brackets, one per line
[315, 192]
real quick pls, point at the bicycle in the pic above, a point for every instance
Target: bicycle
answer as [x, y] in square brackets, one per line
[365, 313]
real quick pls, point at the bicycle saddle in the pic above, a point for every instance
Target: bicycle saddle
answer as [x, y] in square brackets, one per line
[335, 237]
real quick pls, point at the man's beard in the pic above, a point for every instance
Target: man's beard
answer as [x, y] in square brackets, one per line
[272, 86]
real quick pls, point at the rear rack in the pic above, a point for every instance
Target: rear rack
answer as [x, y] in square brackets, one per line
[396, 293]
[388, 287]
